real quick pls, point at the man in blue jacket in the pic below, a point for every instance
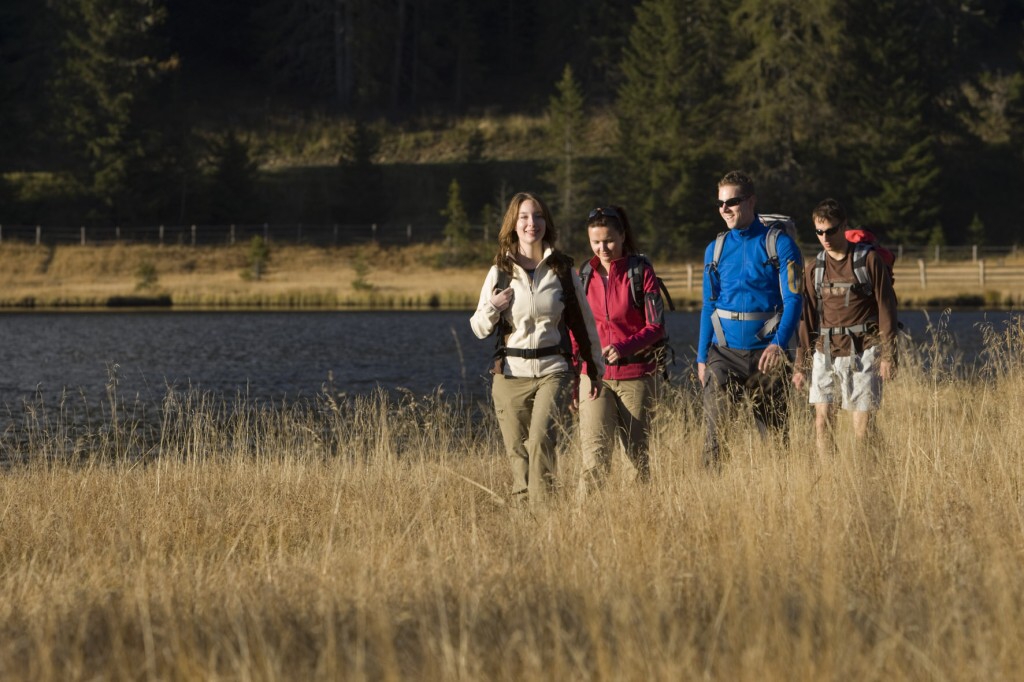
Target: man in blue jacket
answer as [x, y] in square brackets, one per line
[752, 304]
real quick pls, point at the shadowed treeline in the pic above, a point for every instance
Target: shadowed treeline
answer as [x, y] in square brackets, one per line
[134, 112]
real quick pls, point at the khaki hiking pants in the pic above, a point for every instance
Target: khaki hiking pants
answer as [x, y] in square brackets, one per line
[621, 414]
[530, 411]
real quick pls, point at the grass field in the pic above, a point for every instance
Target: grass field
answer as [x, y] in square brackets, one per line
[371, 538]
[364, 276]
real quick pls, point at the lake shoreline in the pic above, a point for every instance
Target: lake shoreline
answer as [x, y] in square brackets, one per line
[359, 277]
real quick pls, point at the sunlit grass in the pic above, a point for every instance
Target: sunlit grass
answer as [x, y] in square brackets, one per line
[371, 538]
[362, 276]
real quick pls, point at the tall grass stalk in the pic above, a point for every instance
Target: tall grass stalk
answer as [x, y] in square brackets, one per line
[356, 538]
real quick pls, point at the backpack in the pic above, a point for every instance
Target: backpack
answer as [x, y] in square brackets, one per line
[635, 264]
[864, 241]
[572, 320]
[777, 225]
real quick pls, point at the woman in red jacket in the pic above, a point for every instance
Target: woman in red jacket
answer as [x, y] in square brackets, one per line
[630, 316]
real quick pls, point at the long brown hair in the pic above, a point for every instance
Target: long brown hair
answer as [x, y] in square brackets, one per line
[507, 237]
[616, 219]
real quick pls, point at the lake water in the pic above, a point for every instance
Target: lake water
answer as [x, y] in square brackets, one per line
[273, 356]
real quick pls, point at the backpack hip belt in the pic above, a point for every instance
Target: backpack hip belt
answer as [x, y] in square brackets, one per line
[533, 353]
[854, 332]
[771, 318]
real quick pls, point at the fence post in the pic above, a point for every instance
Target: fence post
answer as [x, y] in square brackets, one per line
[373, 230]
[981, 272]
[39, 235]
[266, 233]
[232, 234]
[117, 233]
[974, 253]
[923, 274]
[689, 276]
[298, 233]
[161, 231]
[938, 255]
[193, 235]
[899, 252]
[335, 234]
[408, 232]
[83, 234]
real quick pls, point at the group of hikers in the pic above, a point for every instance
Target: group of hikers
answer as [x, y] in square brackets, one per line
[605, 325]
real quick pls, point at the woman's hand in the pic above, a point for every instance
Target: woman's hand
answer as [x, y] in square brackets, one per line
[501, 299]
[611, 354]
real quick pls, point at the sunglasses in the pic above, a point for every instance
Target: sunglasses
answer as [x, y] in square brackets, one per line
[827, 233]
[610, 212]
[735, 201]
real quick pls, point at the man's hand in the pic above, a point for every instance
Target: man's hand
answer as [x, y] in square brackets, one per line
[799, 379]
[772, 358]
[887, 370]
[501, 299]
[701, 370]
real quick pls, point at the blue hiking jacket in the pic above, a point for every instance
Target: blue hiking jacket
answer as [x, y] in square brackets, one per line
[747, 282]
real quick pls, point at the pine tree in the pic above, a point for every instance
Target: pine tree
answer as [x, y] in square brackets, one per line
[567, 126]
[785, 83]
[457, 228]
[233, 189]
[110, 62]
[669, 114]
[894, 114]
[976, 231]
[361, 180]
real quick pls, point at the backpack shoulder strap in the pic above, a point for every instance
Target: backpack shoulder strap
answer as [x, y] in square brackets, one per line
[819, 274]
[716, 254]
[712, 268]
[504, 279]
[586, 272]
[771, 245]
[860, 264]
[635, 274]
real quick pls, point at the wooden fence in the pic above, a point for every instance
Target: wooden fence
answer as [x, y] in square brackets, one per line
[684, 279]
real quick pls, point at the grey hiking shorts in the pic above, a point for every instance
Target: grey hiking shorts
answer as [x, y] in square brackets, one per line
[855, 380]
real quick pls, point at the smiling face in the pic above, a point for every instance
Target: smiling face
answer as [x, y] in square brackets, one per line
[530, 225]
[736, 209]
[606, 242]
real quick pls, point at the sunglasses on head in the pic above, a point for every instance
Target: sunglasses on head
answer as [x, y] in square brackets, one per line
[827, 233]
[735, 201]
[610, 212]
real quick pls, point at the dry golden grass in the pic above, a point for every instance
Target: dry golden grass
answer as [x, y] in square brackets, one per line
[354, 276]
[297, 276]
[358, 540]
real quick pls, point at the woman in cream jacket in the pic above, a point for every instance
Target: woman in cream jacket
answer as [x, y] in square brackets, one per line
[531, 298]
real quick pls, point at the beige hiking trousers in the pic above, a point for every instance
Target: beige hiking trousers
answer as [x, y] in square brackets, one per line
[620, 414]
[530, 412]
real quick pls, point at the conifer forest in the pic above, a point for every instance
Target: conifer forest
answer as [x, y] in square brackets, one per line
[134, 112]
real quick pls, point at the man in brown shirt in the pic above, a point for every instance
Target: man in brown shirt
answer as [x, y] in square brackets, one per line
[848, 330]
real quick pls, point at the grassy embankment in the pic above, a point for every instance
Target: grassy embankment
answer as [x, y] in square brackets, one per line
[295, 277]
[358, 276]
[359, 541]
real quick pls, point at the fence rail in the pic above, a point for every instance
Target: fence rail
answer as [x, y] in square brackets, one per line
[384, 233]
[993, 272]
